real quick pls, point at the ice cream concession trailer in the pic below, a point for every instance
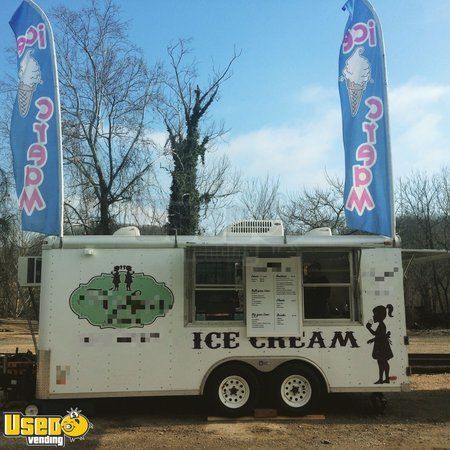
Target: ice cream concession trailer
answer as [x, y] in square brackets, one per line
[246, 316]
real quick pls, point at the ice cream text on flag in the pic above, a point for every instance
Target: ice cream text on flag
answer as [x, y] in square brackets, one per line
[359, 34]
[360, 198]
[31, 197]
[33, 35]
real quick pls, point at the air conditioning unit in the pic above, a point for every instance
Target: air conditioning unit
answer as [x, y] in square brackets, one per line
[29, 271]
[254, 228]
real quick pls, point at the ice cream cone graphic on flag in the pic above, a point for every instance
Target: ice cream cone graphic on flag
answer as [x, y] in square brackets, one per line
[355, 92]
[29, 78]
[357, 74]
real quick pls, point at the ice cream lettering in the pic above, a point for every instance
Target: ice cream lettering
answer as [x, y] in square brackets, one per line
[29, 78]
[32, 35]
[359, 34]
[360, 197]
[31, 197]
[356, 73]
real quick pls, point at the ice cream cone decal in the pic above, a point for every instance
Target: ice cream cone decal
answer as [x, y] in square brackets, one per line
[357, 74]
[29, 78]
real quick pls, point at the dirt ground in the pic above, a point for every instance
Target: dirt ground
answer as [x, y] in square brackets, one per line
[429, 341]
[417, 419]
[16, 334]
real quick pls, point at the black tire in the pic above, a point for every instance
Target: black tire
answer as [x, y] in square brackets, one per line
[297, 389]
[378, 402]
[236, 398]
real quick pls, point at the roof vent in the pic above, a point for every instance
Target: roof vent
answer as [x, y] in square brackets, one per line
[324, 231]
[254, 228]
[127, 231]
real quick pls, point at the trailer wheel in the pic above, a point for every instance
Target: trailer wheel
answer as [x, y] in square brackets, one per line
[297, 389]
[31, 410]
[232, 390]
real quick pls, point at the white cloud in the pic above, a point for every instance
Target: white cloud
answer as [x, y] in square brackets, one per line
[300, 151]
[297, 153]
[317, 95]
[420, 127]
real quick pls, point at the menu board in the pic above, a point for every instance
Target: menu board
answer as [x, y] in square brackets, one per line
[272, 293]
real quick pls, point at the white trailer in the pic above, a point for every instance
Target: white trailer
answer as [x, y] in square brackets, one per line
[238, 317]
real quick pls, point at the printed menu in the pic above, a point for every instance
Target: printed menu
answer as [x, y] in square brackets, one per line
[272, 292]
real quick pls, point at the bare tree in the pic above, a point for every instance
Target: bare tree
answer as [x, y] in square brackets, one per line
[11, 304]
[424, 222]
[259, 198]
[190, 133]
[425, 198]
[14, 301]
[218, 183]
[321, 206]
[106, 93]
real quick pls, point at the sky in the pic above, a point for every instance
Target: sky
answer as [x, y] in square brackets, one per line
[282, 103]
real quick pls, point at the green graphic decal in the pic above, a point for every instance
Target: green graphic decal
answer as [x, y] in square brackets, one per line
[121, 299]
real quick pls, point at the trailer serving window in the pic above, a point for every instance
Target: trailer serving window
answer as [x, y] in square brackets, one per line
[217, 285]
[216, 291]
[327, 285]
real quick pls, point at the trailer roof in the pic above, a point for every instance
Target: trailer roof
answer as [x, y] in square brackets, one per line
[138, 242]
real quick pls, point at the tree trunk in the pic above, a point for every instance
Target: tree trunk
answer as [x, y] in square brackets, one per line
[104, 226]
[184, 205]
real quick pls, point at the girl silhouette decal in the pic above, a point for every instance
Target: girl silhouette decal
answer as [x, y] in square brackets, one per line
[381, 342]
[129, 278]
[116, 278]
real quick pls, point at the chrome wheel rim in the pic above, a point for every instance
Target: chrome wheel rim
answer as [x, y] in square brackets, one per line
[234, 392]
[296, 391]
